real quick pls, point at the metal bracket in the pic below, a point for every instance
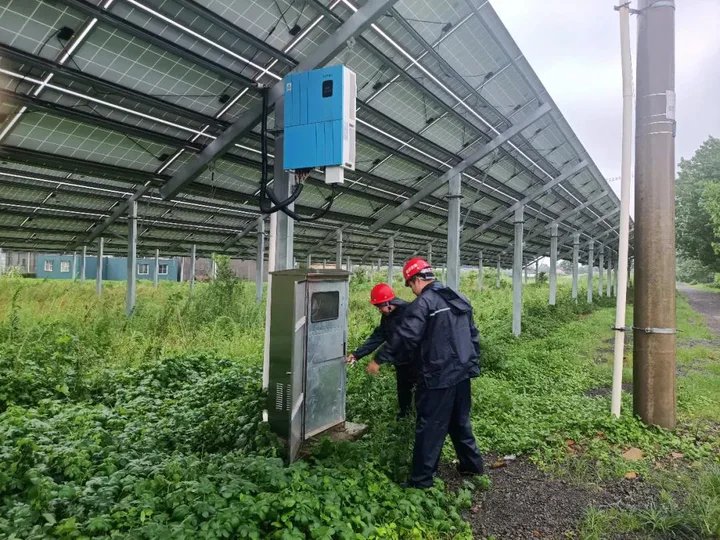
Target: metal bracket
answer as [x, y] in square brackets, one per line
[656, 330]
[627, 5]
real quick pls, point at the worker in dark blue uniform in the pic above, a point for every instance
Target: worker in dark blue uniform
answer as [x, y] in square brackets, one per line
[439, 324]
[391, 308]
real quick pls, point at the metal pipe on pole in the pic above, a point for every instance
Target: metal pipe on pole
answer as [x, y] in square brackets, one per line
[260, 260]
[517, 269]
[576, 265]
[453, 232]
[553, 264]
[654, 324]
[621, 272]
[131, 293]
[99, 267]
[591, 264]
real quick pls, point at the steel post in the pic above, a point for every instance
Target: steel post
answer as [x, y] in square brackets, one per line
[517, 269]
[338, 249]
[156, 275]
[601, 270]
[83, 264]
[453, 231]
[575, 265]
[260, 260]
[591, 264]
[391, 259]
[480, 271]
[193, 257]
[497, 274]
[131, 294]
[553, 263]
[99, 267]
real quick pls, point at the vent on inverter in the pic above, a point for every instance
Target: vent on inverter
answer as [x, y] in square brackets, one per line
[288, 398]
[279, 396]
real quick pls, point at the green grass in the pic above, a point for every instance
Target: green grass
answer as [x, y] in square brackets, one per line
[149, 426]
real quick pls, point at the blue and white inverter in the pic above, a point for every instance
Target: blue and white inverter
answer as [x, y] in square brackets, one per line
[320, 121]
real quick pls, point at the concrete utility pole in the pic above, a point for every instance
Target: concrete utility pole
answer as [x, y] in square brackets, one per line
[654, 314]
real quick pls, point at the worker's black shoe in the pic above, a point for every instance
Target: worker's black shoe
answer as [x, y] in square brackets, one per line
[466, 472]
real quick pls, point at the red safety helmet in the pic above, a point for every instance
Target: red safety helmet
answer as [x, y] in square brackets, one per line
[381, 293]
[413, 267]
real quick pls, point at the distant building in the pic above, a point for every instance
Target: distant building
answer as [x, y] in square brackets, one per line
[113, 268]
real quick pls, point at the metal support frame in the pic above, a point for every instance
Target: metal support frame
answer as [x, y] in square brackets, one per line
[348, 264]
[338, 249]
[517, 269]
[391, 259]
[308, 260]
[453, 231]
[353, 26]
[83, 264]
[260, 260]
[99, 267]
[553, 264]
[74, 266]
[193, 257]
[249, 226]
[575, 265]
[480, 271]
[131, 293]
[497, 274]
[538, 192]
[601, 269]
[537, 270]
[476, 156]
[156, 276]
[591, 264]
[429, 253]
[608, 291]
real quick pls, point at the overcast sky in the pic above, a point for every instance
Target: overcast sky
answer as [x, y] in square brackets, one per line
[574, 47]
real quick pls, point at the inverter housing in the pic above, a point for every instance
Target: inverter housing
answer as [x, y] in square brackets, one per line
[319, 121]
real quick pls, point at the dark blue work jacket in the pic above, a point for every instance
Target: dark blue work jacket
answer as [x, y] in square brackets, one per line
[386, 328]
[439, 326]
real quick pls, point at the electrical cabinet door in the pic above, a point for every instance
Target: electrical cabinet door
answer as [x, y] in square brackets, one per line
[325, 355]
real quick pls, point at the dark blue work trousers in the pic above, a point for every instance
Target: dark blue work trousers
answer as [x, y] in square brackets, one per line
[407, 378]
[441, 412]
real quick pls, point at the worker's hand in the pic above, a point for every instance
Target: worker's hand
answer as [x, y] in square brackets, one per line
[350, 359]
[373, 368]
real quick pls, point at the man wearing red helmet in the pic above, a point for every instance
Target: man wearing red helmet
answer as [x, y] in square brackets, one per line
[391, 308]
[439, 326]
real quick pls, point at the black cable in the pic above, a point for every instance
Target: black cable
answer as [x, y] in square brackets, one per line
[267, 195]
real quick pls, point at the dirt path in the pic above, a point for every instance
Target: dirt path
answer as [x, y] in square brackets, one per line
[705, 302]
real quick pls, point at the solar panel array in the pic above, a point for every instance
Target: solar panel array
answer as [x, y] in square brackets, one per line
[103, 97]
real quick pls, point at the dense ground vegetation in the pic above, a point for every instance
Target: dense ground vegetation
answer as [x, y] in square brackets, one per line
[149, 427]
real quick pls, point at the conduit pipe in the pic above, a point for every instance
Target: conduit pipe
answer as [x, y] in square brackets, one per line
[622, 270]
